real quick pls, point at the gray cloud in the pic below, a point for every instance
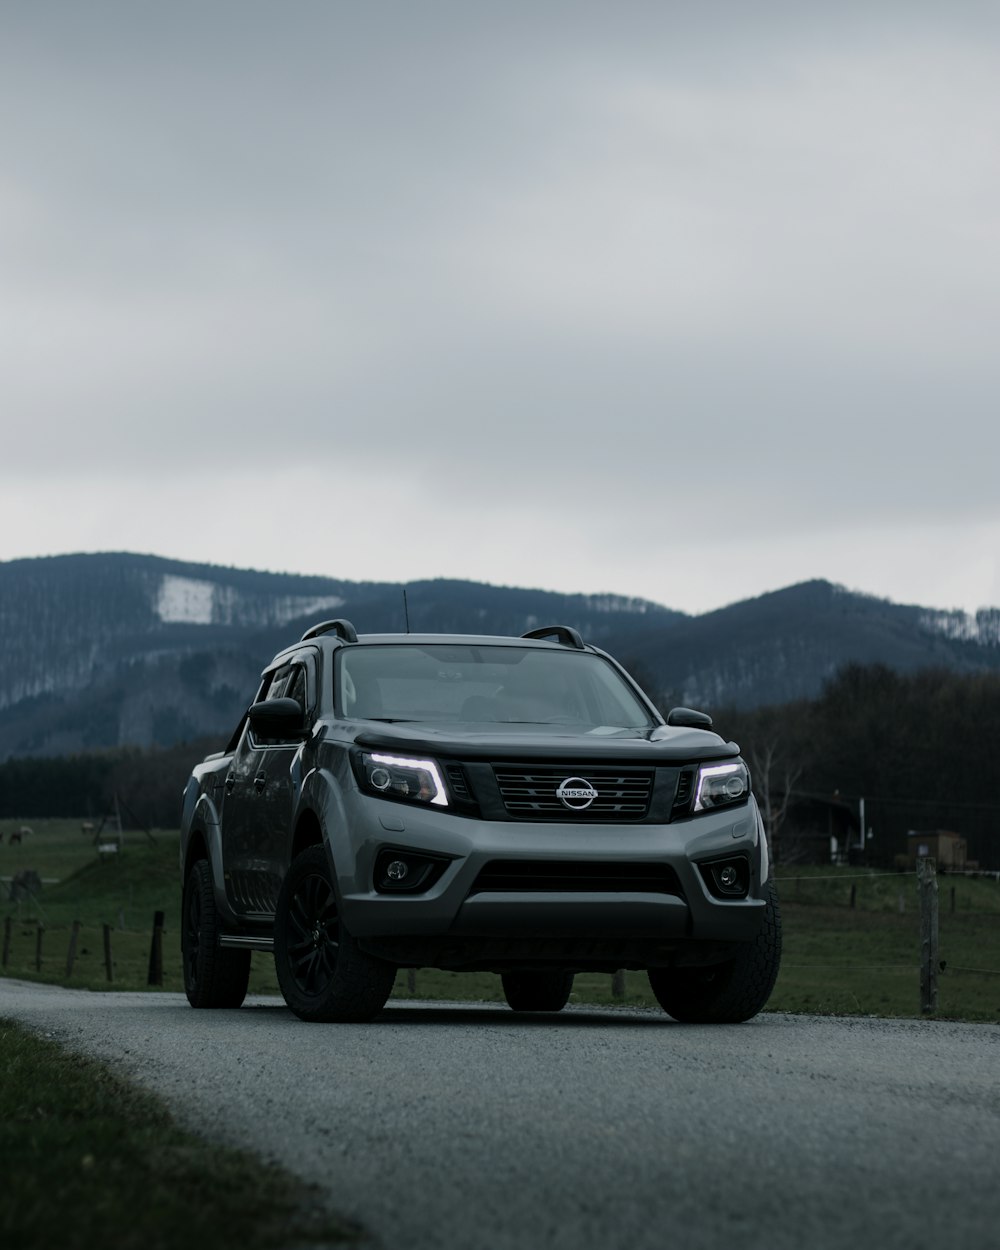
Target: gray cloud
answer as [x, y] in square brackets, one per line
[654, 278]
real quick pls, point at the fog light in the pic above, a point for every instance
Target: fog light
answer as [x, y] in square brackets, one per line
[729, 878]
[399, 871]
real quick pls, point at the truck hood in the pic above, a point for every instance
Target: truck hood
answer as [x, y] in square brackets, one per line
[663, 745]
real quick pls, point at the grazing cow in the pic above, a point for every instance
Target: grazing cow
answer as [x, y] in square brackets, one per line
[25, 832]
[15, 837]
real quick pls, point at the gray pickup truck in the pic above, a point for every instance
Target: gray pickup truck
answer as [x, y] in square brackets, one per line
[515, 805]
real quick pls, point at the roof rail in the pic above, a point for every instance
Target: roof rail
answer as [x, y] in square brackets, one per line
[343, 629]
[568, 636]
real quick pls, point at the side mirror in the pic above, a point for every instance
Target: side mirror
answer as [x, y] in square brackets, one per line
[278, 718]
[688, 718]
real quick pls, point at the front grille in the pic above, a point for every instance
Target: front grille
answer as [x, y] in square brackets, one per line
[529, 793]
[517, 876]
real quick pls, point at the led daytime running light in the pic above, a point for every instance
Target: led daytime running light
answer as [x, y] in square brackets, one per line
[427, 766]
[707, 775]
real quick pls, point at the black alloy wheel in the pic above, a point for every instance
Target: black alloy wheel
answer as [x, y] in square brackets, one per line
[313, 934]
[323, 973]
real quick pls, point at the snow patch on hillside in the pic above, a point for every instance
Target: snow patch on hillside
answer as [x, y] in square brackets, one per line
[197, 601]
[982, 629]
[185, 600]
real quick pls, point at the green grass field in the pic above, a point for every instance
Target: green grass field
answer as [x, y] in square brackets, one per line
[838, 958]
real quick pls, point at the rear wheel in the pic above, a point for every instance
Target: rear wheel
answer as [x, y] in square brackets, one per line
[726, 993]
[537, 991]
[213, 977]
[323, 974]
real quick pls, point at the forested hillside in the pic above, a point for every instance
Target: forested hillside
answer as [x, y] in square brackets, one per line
[126, 650]
[786, 645]
[117, 650]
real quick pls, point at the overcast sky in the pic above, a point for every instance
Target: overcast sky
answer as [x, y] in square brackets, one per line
[684, 301]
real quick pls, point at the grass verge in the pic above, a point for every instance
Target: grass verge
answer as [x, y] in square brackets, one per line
[90, 1161]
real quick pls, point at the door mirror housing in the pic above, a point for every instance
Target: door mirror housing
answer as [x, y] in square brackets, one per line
[688, 718]
[278, 718]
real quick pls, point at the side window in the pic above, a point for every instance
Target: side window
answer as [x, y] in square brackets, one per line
[295, 687]
[278, 683]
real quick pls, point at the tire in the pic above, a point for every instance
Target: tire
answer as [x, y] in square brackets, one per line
[323, 973]
[213, 977]
[726, 993]
[537, 991]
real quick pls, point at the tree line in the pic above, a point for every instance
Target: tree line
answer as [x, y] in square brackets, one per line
[147, 783]
[920, 748]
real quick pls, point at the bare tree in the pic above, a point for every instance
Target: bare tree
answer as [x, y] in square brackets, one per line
[774, 777]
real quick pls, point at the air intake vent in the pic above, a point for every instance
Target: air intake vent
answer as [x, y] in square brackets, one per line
[685, 789]
[456, 780]
[517, 876]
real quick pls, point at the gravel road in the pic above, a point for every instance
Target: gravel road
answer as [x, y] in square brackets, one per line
[468, 1128]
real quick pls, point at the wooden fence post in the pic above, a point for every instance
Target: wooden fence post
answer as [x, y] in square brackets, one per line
[854, 896]
[618, 983]
[411, 980]
[155, 976]
[108, 964]
[927, 886]
[74, 933]
[39, 934]
[6, 940]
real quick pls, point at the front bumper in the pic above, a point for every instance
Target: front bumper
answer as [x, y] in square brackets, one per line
[455, 918]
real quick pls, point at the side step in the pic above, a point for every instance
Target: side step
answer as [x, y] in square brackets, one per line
[246, 942]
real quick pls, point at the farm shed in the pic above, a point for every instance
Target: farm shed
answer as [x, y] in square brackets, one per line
[942, 845]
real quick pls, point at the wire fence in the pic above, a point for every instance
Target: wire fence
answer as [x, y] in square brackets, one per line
[869, 938]
[854, 942]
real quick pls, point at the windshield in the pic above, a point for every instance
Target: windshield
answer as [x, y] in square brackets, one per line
[472, 684]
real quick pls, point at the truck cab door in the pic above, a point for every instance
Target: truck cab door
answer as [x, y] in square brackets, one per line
[260, 800]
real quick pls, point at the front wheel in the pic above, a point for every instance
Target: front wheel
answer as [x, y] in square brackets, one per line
[323, 973]
[537, 991]
[726, 993]
[213, 977]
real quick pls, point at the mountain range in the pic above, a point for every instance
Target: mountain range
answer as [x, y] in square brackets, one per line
[116, 649]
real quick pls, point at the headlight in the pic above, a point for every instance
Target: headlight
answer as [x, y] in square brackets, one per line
[402, 777]
[720, 785]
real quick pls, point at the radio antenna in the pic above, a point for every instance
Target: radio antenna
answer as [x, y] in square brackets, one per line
[406, 611]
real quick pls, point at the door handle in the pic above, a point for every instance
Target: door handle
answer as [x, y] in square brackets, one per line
[260, 781]
[230, 782]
